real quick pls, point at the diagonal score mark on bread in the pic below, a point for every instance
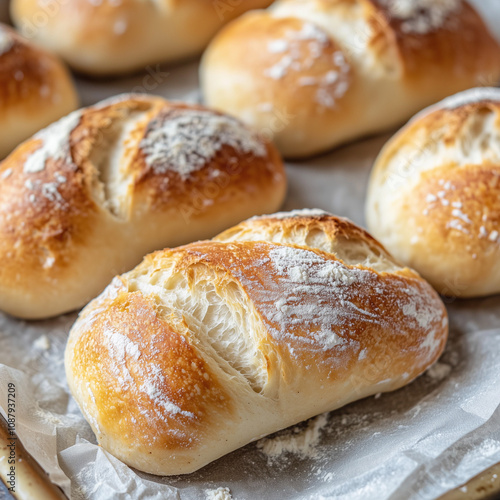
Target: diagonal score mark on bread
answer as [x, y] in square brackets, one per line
[224, 341]
[111, 155]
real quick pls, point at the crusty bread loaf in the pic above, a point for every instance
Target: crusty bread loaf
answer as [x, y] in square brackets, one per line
[434, 196]
[35, 90]
[204, 348]
[108, 37]
[90, 195]
[318, 73]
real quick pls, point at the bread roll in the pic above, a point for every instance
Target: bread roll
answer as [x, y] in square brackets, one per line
[434, 195]
[105, 37]
[90, 195]
[35, 90]
[204, 348]
[319, 73]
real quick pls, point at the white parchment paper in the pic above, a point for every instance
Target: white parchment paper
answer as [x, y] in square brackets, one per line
[416, 443]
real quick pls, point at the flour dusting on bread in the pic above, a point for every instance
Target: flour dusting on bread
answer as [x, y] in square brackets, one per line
[289, 46]
[123, 352]
[422, 16]
[299, 50]
[307, 281]
[185, 140]
[54, 143]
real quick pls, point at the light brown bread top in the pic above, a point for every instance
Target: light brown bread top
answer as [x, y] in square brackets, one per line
[318, 73]
[204, 348]
[112, 37]
[434, 197]
[35, 89]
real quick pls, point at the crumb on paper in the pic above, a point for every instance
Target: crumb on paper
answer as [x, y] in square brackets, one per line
[218, 494]
[48, 417]
[439, 371]
[42, 343]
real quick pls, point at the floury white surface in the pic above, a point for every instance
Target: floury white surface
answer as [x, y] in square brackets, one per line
[418, 442]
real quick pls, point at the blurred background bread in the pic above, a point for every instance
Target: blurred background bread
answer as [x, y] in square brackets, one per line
[89, 196]
[35, 89]
[109, 37]
[4, 11]
[318, 73]
[434, 194]
[204, 348]
[490, 11]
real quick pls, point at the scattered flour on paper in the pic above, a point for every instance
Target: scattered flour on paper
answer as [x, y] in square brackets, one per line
[42, 343]
[439, 371]
[302, 442]
[86, 483]
[218, 494]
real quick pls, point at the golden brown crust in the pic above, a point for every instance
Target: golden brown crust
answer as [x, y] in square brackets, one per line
[251, 265]
[252, 35]
[108, 38]
[449, 50]
[175, 389]
[434, 195]
[169, 189]
[37, 225]
[337, 229]
[97, 179]
[284, 330]
[314, 67]
[35, 89]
